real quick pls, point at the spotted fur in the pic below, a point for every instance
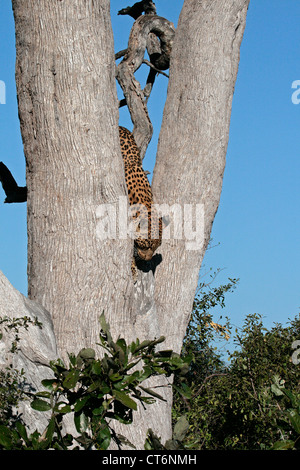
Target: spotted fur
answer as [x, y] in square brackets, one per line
[148, 224]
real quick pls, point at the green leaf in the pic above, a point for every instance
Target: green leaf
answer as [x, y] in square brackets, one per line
[72, 359]
[36, 440]
[81, 422]
[22, 431]
[107, 404]
[51, 384]
[144, 374]
[124, 441]
[167, 353]
[98, 411]
[104, 325]
[5, 437]
[131, 365]
[283, 445]
[105, 330]
[116, 377]
[40, 405]
[184, 390]
[58, 366]
[103, 437]
[122, 413]
[291, 397]
[71, 379]
[62, 407]
[276, 390]
[181, 428]
[44, 443]
[125, 399]
[98, 385]
[142, 345]
[111, 364]
[121, 343]
[133, 346]
[85, 440]
[43, 394]
[184, 369]
[97, 367]
[87, 353]
[146, 344]
[80, 403]
[148, 400]
[295, 420]
[122, 357]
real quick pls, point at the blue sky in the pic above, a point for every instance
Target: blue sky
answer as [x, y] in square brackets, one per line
[257, 226]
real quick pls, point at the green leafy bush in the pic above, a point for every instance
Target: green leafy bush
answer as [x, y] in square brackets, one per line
[233, 405]
[96, 391]
[12, 380]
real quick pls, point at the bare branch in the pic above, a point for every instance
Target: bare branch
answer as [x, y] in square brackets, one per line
[14, 193]
[120, 54]
[133, 58]
[145, 61]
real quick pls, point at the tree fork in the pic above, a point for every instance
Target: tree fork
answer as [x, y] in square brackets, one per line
[68, 107]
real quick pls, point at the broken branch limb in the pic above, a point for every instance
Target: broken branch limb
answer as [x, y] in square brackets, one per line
[120, 54]
[133, 58]
[14, 193]
[145, 61]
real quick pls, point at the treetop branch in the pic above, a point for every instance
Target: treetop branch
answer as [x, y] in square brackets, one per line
[156, 34]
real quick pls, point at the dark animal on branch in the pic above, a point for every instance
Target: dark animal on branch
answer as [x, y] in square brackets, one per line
[138, 8]
[14, 193]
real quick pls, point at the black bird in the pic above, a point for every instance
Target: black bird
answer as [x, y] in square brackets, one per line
[14, 193]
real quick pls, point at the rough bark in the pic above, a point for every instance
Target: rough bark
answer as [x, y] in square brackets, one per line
[68, 114]
[65, 77]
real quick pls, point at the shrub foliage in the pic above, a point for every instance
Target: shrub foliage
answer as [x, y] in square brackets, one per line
[250, 400]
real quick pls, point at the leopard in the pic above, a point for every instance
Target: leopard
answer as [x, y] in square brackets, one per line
[148, 225]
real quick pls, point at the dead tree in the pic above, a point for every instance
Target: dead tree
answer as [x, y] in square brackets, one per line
[68, 108]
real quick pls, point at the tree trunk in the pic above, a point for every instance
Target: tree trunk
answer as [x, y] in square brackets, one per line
[68, 110]
[65, 75]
